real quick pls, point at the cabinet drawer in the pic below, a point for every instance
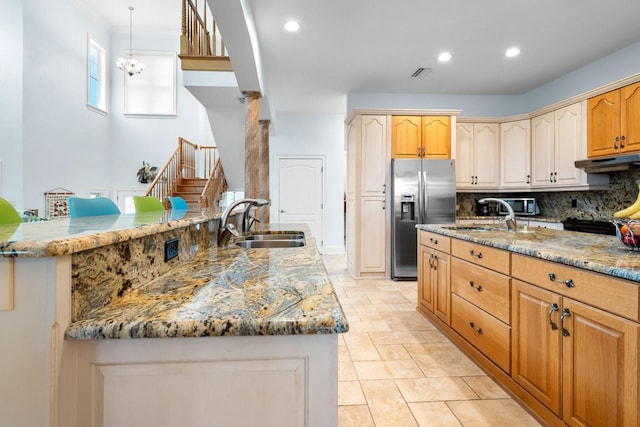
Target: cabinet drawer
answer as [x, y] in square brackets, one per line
[435, 241]
[614, 295]
[485, 288]
[495, 259]
[485, 332]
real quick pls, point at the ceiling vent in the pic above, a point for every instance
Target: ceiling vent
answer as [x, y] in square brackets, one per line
[421, 70]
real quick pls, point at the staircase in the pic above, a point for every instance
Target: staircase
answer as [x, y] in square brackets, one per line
[194, 173]
[190, 189]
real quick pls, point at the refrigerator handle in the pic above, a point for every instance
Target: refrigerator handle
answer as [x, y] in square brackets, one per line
[419, 197]
[424, 195]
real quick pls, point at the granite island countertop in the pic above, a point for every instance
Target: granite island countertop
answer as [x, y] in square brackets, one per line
[593, 252]
[71, 235]
[226, 292]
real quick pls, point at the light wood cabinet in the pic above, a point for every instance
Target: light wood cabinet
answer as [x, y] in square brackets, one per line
[563, 339]
[515, 154]
[614, 122]
[366, 217]
[477, 156]
[579, 361]
[434, 273]
[421, 137]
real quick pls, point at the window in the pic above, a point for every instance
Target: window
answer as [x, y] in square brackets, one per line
[152, 92]
[96, 78]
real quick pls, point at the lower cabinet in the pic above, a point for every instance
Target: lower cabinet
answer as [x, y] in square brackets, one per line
[579, 361]
[566, 341]
[372, 243]
[434, 272]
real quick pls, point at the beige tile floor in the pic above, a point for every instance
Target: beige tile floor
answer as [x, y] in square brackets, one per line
[396, 369]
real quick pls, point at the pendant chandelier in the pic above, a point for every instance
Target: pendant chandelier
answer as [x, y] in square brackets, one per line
[130, 65]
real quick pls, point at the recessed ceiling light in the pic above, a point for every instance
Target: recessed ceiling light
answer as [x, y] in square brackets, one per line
[511, 52]
[292, 26]
[444, 57]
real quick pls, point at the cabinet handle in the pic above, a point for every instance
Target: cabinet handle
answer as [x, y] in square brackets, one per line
[565, 313]
[555, 177]
[567, 282]
[554, 307]
[430, 260]
[479, 254]
[615, 142]
[472, 180]
[622, 138]
[435, 262]
[528, 179]
[551, 177]
[384, 188]
[434, 241]
[384, 204]
[476, 287]
[478, 330]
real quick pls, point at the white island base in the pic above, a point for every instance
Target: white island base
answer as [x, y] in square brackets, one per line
[214, 381]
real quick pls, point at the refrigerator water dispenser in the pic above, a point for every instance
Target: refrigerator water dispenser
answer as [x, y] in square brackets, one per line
[407, 208]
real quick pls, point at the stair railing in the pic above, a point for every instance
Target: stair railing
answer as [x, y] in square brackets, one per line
[216, 183]
[190, 161]
[196, 40]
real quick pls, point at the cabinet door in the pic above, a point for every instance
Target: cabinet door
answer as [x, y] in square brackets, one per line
[630, 117]
[353, 138]
[603, 124]
[441, 272]
[542, 150]
[569, 145]
[515, 149]
[425, 278]
[406, 136]
[465, 157]
[600, 368]
[436, 137]
[486, 151]
[373, 160]
[536, 345]
[372, 235]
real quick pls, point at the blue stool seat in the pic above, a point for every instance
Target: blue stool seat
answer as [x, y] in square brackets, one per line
[80, 207]
[178, 203]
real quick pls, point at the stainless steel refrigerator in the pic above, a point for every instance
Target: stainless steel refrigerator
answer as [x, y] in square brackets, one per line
[422, 192]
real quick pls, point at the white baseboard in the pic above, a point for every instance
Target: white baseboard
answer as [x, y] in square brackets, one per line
[334, 250]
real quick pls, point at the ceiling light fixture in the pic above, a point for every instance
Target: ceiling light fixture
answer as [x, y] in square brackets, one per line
[512, 52]
[130, 65]
[292, 26]
[444, 57]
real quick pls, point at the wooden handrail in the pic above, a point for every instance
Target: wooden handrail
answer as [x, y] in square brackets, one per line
[196, 39]
[187, 162]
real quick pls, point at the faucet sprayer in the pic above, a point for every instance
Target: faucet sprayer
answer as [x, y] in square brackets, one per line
[510, 219]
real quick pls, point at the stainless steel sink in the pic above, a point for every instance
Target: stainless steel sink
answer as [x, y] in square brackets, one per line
[291, 243]
[275, 236]
[470, 228]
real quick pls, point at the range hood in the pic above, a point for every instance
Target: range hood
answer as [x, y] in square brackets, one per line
[610, 164]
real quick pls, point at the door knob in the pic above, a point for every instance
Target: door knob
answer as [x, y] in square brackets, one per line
[281, 210]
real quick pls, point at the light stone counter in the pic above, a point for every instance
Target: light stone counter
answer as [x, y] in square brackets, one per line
[593, 252]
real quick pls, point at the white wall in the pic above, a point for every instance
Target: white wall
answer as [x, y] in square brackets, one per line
[54, 140]
[322, 135]
[11, 101]
[150, 139]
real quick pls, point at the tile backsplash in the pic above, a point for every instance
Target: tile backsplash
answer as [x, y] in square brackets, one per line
[589, 204]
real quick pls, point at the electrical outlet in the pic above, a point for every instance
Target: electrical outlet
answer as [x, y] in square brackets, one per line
[574, 203]
[170, 249]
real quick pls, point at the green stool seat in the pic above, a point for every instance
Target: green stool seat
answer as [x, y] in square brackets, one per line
[147, 204]
[8, 214]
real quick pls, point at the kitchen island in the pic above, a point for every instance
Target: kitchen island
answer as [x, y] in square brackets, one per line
[108, 333]
[553, 315]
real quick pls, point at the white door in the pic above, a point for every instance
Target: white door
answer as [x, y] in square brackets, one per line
[124, 200]
[301, 193]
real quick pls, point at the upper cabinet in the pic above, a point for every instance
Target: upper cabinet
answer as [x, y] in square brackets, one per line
[515, 153]
[373, 155]
[614, 122]
[421, 137]
[477, 156]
